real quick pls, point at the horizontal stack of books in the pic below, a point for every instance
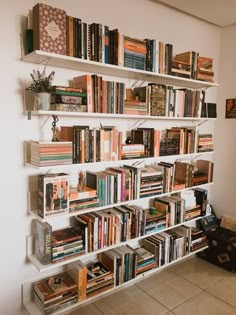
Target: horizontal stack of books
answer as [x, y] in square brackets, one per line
[205, 70]
[79, 200]
[134, 53]
[151, 182]
[54, 293]
[145, 260]
[99, 278]
[154, 220]
[132, 151]
[50, 153]
[205, 142]
[68, 99]
[66, 243]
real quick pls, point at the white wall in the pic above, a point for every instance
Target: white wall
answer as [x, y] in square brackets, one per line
[223, 192]
[139, 18]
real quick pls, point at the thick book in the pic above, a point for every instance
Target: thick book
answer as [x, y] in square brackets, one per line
[78, 271]
[49, 29]
[42, 241]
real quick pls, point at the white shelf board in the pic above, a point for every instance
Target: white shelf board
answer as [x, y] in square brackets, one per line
[52, 59]
[43, 268]
[116, 116]
[92, 209]
[32, 308]
[149, 160]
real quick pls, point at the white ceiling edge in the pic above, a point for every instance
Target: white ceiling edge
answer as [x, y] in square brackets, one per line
[221, 13]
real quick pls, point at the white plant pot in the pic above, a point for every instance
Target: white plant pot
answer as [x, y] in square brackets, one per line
[42, 101]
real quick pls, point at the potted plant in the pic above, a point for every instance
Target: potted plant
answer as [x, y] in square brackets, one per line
[41, 87]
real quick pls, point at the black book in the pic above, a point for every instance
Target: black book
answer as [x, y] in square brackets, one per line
[201, 199]
[210, 223]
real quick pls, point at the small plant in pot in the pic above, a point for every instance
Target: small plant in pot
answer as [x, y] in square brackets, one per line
[41, 87]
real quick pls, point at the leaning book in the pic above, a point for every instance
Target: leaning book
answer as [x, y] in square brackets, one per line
[53, 194]
[42, 241]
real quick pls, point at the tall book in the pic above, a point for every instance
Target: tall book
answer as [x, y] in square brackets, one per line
[86, 82]
[49, 29]
[53, 194]
[42, 241]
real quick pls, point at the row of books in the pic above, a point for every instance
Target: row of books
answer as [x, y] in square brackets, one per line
[118, 184]
[115, 267]
[190, 65]
[128, 183]
[93, 145]
[163, 100]
[80, 144]
[102, 96]
[104, 228]
[99, 43]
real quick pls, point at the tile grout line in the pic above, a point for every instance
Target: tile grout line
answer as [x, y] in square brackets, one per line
[152, 297]
[97, 308]
[220, 299]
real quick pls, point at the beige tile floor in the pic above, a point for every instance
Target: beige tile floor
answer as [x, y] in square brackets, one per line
[191, 287]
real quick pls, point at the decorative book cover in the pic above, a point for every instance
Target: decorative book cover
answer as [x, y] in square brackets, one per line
[53, 197]
[49, 27]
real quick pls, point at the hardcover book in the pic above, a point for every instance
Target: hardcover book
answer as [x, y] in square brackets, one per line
[53, 194]
[42, 241]
[49, 29]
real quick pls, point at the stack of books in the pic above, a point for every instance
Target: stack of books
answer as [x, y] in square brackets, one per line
[151, 182]
[66, 243]
[79, 200]
[205, 70]
[198, 239]
[54, 293]
[154, 221]
[132, 151]
[64, 98]
[205, 142]
[145, 260]
[50, 153]
[134, 53]
[185, 64]
[136, 102]
[181, 69]
[99, 278]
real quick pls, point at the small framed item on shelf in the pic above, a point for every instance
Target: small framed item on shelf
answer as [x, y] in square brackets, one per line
[53, 197]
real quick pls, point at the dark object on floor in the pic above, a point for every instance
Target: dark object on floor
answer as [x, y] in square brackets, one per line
[222, 249]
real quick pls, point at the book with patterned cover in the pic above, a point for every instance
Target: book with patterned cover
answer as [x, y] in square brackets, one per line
[49, 28]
